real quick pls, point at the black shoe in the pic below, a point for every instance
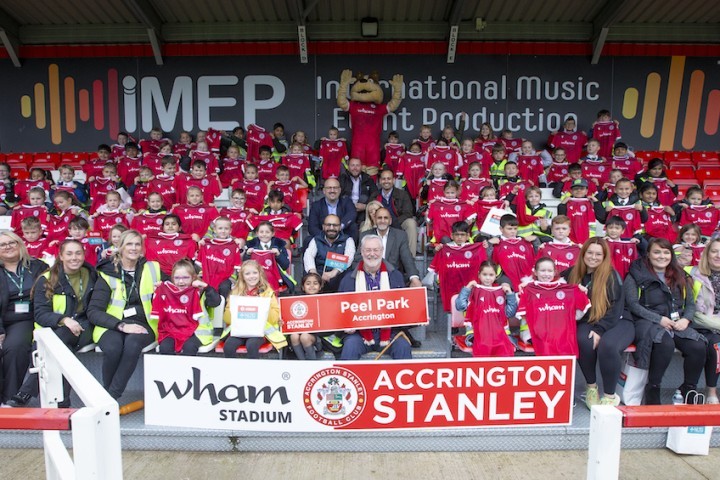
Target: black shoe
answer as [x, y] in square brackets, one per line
[689, 393]
[19, 400]
[652, 395]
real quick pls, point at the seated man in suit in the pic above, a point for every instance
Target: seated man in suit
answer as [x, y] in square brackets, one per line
[359, 186]
[400, 205]
[333, 204]
[395, 247]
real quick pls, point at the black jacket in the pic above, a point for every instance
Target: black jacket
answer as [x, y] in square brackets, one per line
[44, 314]
[649, 299]
[37, 267]
[368, 189]
[616, 298]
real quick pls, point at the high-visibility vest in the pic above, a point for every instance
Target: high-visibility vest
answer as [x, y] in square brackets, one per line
[497, 170]
[149, 277]
[204, 330]
[59, 302]
[533, 228]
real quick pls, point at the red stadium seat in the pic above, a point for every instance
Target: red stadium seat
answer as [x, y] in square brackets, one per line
[48, 157]
[677, 155]
[705, 156]
[19, 173]
[711, 163]
[74, 159]
[265, 348]
[647, 155]
[706, 173]
[681, 172]
[3, 158]
[713, 192]
[24, 158]
[682, 162]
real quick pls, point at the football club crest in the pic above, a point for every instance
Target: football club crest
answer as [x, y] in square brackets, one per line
[334, 396]
[226, 252]
[299, 309]
[184, 299]
[560, 295]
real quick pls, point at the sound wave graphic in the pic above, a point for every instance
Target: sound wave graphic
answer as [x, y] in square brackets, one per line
[693, 106]
[48, 99]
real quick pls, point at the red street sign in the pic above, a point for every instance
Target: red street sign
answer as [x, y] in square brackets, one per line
[354, 311]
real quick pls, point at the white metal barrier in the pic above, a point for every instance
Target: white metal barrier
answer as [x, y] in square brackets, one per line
[95, 428]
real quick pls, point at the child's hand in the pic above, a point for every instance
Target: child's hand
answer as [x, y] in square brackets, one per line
[438, 247]
[494, 240]
[506, 204]
[670, 183]
[506, 288]
[583, 289]
[240, 242]
[196, 238]
[595, 181]
[201, 242]
[275, 251]
[638, 206]
[485, 244]
[635, 240]
[684, 205]
[669, 210]
[471, 284]
[565, 200]
[592, 198]
[608, 207]
[197, 283]
[250, 251]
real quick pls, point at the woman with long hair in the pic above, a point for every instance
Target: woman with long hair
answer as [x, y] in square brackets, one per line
[18, 272]
[659, 294]
[120, 309]
[60, 297]
[603, 334]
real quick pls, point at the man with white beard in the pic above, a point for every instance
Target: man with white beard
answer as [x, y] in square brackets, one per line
[372, 273]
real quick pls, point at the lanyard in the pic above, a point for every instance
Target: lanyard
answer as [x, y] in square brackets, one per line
[80, 289]
[14, 279]
[126, 295]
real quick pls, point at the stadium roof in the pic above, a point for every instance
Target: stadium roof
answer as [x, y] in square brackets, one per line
[158, 22]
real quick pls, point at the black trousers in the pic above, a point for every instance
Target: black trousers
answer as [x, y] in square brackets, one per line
[190, 347]
[15, 357]
[252, 344]
[608, 353]
[694, 353]
[121, 352]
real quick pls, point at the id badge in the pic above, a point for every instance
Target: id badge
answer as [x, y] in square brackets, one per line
[22, 307]
[129, 312]
[674, 316]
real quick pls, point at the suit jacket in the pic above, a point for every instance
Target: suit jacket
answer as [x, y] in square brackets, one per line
[397, 252]
[368, 189]
[345, 210]
[402, 206]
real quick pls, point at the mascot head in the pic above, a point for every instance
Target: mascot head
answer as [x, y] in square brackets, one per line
[366, 88]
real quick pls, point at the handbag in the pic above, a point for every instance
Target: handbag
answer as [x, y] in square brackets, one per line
[690, 440]
[632, 381]
[248, 316]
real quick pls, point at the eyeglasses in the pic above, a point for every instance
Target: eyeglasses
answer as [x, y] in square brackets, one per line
[8, 244]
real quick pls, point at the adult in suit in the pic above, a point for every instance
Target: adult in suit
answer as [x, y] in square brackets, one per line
[359, 186]
[333, 204]
[395, 247]
[400, 205]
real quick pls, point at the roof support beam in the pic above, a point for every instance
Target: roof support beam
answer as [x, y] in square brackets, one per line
[300, 16]
[454, 20]
[606, 17]
[147, 15]
[9, 37]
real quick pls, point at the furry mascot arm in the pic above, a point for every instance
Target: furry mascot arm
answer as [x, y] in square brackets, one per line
[394, 103]
[342, 94]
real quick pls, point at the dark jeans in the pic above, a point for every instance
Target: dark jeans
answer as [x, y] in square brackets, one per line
[121, 352]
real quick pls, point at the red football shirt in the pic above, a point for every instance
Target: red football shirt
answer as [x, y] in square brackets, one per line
[455, 266]
[622, 254]
[515, 257]
[563, 254]
[168, 248]
[177, 311]
[218, 260]
[486, 312]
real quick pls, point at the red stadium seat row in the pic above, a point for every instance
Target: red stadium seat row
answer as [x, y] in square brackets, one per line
[680, 158]
[46, 160]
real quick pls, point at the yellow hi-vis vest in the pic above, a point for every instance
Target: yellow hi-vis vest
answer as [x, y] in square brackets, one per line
[59, 302]
[148, 278]
[533, 228]
[497, 170]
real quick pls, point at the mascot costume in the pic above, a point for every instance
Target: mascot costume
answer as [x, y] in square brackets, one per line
[366, 114]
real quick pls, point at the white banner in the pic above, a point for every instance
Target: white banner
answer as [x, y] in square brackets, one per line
[282, 396]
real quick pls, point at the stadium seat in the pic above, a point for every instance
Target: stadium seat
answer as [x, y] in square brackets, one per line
[647, 155]
[683, 172]
[23, 158]
[265, 348]
[74, 159]
[681, 162]
[705, 156]
[19, 172]
[457, 320]
[675, 156]
[50, 157]
[707, 173]
[218, 323]
[3, 158]
[683, 184]
[710, 163]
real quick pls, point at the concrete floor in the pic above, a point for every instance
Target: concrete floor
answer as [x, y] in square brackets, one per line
[148, 465]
